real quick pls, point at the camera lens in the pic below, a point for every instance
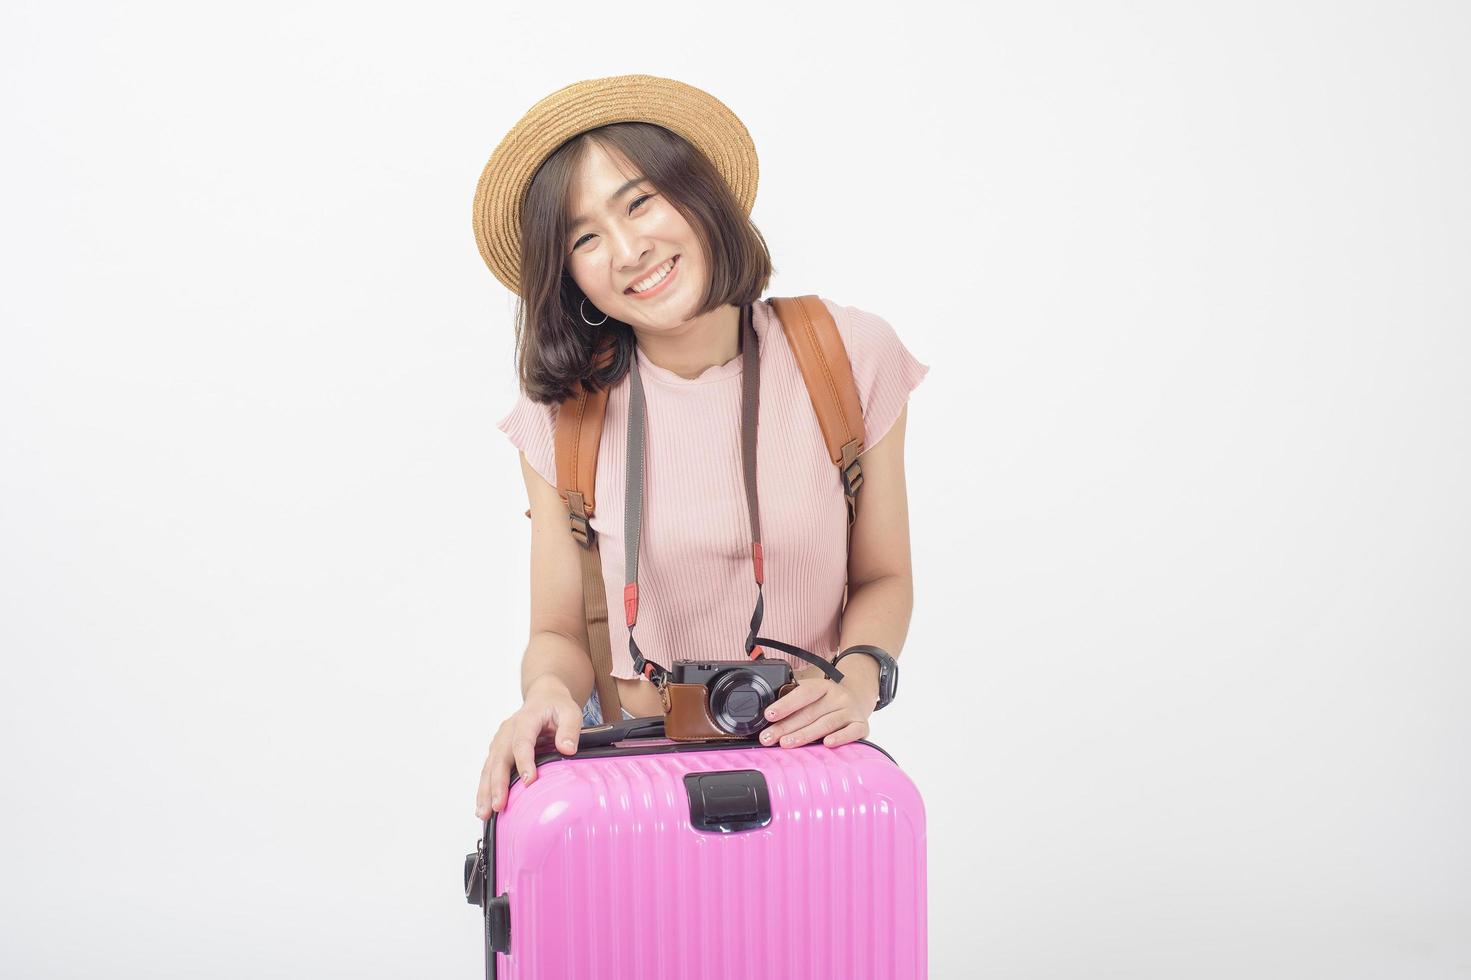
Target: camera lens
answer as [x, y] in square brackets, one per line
[738, 701]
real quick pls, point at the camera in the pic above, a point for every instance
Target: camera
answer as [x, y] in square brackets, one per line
[722, 699]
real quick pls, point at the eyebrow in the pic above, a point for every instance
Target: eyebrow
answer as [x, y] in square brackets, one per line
[616, 195]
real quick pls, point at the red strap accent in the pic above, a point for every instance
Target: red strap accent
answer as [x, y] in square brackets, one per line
[630, 602]
[756, 556]
[649, 671]
[755, 652]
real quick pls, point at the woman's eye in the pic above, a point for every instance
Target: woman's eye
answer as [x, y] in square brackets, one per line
[632, 205]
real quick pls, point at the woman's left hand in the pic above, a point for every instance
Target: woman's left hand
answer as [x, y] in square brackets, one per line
[818, 708]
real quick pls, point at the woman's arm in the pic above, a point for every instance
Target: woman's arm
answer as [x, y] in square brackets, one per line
[880, 580]
[557, 652]
[556, 675]
[880, 598]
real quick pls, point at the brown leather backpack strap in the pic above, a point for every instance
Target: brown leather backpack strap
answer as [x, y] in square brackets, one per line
[577, 436]
[578, 433]
[818, 348]
[599, 645]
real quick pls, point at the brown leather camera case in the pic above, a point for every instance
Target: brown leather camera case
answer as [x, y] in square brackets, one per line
[687, 714]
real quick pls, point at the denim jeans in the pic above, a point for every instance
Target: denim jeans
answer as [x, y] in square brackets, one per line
[592, 712]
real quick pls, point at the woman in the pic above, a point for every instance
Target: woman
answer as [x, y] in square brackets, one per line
[618, 211]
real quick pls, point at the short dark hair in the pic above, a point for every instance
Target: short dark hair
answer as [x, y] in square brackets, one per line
[555, 348]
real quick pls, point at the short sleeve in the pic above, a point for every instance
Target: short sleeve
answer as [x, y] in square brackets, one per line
[884, 371]
[532, 427]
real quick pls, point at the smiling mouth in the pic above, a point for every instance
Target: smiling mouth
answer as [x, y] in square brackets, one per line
[630, 291]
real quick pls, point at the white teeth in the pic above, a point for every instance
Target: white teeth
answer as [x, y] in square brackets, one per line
[654, 279]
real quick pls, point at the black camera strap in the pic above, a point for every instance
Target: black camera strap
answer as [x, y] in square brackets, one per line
[634, 500]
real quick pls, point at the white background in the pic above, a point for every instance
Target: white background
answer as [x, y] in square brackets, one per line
[1186, 683]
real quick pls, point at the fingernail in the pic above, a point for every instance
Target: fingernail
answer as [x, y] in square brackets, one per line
[567, 744]
[766, 736]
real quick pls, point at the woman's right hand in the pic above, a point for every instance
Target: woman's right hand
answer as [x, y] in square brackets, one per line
[549, 708]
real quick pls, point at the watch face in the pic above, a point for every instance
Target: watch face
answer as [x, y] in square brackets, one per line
[890, 684]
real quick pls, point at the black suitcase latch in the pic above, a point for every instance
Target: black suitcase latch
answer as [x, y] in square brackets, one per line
[475, 876]
[725, 802]
[498, 923]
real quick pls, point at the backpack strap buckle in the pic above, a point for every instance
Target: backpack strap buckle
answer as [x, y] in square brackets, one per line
[850, 468]
[580, 525]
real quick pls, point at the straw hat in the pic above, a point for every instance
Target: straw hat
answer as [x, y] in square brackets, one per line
[696, 115]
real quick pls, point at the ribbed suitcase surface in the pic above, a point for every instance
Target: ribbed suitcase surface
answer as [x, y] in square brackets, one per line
[823, 878]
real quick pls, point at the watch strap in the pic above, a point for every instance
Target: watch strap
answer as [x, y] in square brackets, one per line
[887, 666]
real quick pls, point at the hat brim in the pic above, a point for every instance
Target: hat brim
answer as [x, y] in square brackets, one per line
[699, 117]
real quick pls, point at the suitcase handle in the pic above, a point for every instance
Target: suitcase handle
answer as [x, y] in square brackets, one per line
[651, 727]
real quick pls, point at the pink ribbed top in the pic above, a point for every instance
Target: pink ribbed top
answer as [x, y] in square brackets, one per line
[696, 585]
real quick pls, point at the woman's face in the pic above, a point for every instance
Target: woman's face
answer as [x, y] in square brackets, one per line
[628, 233]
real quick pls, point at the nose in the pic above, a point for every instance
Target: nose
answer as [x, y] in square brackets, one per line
[630, 250]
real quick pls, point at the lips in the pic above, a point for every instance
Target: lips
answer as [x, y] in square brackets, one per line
[657, 286]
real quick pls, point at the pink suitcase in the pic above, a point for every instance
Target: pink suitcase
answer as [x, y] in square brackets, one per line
[649, 858]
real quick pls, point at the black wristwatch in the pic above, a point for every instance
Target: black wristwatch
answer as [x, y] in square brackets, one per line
[888, 671]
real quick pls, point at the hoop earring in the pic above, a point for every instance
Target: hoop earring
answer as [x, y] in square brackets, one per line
[583, 313]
